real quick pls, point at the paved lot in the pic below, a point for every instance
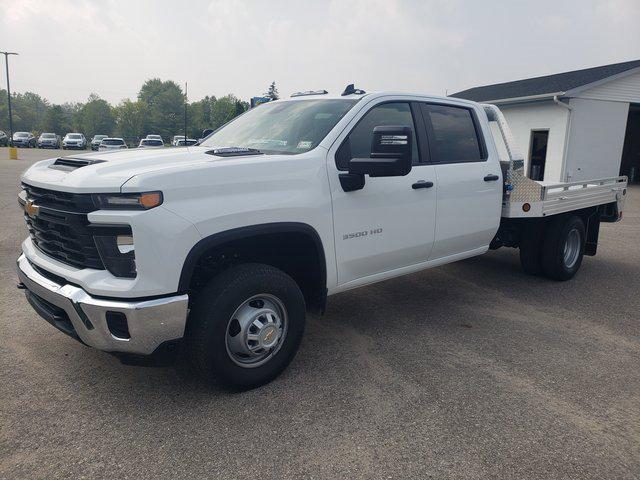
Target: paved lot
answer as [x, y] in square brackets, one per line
[472, 370]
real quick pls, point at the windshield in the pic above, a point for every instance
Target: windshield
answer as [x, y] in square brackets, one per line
[75, 136]
[151, 143]
[112, 141]
[48, 135]
[284, 127]
[21, 134]
[99, 137]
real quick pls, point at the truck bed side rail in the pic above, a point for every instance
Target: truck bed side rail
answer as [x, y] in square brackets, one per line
[563, 197]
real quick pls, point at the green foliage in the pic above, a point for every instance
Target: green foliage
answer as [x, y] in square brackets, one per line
[128, 120]
[159, 109]
[162, 105]
[272, 92]
[96, 117]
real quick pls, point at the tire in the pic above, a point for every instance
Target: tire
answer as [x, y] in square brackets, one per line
[214, 336]
[531, 249]
[563, 247]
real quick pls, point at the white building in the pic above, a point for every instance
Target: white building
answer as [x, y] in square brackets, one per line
[576, 125]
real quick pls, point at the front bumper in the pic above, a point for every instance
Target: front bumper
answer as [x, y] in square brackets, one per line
[150, 323]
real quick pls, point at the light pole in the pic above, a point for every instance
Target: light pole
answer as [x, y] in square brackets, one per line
[185, 114]
[6, 64]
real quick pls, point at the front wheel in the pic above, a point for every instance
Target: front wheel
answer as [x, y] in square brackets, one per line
[563, 247]
[246, 326]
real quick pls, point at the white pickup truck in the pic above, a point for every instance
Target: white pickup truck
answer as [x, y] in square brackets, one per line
[223, 247]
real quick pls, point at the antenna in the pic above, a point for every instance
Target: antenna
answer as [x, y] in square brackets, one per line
[351, 89]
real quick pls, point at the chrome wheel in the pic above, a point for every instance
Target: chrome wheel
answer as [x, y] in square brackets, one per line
[572, 247]
[256, 330]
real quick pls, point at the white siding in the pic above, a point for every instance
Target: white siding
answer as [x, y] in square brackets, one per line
[546, 115]
[596, 138]
[622, 89]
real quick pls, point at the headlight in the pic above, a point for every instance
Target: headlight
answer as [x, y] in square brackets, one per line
[127, 201]
[118, 253]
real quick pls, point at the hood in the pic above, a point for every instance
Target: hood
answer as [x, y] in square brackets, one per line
[110, 170]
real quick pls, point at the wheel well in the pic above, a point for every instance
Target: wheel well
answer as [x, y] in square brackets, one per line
[512, 230]
[295, 249]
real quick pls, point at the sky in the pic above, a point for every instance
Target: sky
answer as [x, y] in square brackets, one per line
[71, 48]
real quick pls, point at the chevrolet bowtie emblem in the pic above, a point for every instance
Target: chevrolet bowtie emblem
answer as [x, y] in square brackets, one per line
[31, 209]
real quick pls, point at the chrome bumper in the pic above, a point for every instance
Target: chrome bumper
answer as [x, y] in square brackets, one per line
[150, 322]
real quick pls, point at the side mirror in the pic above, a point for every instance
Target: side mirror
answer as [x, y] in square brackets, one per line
[206, 132]
[391, 153]
[391, 156]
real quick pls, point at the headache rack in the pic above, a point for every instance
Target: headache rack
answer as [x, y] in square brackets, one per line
[526, 198]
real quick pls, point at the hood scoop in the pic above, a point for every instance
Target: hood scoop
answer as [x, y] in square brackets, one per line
[68, 164]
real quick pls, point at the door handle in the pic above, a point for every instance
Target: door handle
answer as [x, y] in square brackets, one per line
[422, 184]
[491, 178]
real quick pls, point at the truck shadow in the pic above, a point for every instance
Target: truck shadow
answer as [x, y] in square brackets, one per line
[440, 302]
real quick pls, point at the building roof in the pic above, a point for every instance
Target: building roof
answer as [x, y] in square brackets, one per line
[549, 84]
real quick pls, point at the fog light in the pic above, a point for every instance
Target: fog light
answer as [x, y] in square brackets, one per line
[117, 253]
[125, 243]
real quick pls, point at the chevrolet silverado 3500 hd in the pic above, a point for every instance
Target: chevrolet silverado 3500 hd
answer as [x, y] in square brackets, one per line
[224, 246]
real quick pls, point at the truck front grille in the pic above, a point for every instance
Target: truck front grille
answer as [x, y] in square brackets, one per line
[60, 229]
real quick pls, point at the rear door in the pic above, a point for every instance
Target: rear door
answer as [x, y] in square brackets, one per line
[469, 180]
[389, 224]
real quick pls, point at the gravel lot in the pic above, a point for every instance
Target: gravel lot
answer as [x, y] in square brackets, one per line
[472, 370]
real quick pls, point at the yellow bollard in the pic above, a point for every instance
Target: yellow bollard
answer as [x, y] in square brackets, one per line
[13, 153]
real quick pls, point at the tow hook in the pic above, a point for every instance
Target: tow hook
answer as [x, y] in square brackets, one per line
[21, 286]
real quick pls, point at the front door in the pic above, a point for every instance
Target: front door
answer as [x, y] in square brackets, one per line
[389, 224]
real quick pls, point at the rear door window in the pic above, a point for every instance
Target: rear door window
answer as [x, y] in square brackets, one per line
[453, 134]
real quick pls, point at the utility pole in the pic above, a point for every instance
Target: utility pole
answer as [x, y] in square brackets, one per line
[185, 114]
[6, 64]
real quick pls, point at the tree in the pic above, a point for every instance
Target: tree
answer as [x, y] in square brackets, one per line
[96, 117]
[129, 123]
[72, 117]
[162, 105]
[272, 92]
[55, 121]
[223, 110]
[159, 109]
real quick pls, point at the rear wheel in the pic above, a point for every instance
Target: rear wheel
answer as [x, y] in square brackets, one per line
[563, 247]
[246, 326]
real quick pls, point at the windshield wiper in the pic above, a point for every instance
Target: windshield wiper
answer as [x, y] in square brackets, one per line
[234, 151]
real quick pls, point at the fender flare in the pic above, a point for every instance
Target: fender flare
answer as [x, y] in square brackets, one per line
[226, 236]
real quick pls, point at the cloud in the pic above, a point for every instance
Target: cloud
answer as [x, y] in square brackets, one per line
[69, 48]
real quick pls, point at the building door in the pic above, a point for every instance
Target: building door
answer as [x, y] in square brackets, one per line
[630, 164]
[538, 153]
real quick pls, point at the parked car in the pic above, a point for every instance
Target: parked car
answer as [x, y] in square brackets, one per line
[314, 198]
[49, 140]
[95, 141]
[24, 139]
[150, 143]
[188, 142]
[174, 140]
[74, 140]
[4, 140]
[154, 137]
[112, 144]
